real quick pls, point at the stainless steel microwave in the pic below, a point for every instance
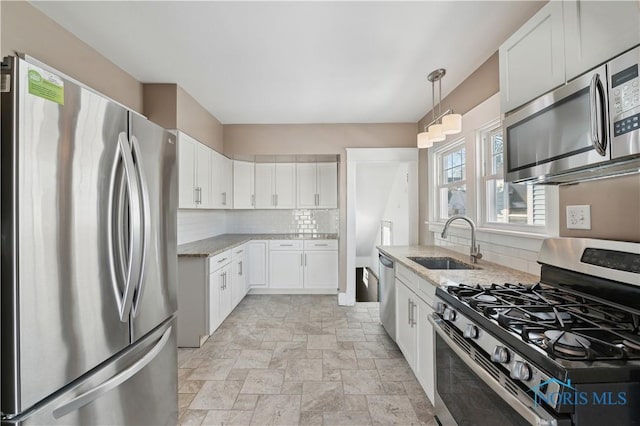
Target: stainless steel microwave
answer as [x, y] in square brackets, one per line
[586, 129]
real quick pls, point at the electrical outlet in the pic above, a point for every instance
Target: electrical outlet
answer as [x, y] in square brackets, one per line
[579, 217]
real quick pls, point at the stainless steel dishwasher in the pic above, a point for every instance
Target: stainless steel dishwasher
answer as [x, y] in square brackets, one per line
[387, 294]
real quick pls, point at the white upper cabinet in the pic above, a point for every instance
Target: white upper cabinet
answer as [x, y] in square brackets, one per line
[243, 185]
[562, 41]
[221, 181]
[317, 185]
[194, 173]
[597, 31]
[532, 59]
[275, 185]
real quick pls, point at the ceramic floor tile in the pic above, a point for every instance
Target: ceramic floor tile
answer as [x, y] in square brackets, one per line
[291, 388]
[322, 396]
[350, 335]
[362, 382]
[299, 370]
[215, 369]
[339, 359]
[322, 341]
[393, 370]
[311, 418]
[391, 409]
[278, 335]
[228, 418]
[253, 358]
[347, 418]
[245, 402]
[290, 350]
[216, 396]
[277, 410]
[263, 381]
[370, 350]
[191, 386]
[192, 417]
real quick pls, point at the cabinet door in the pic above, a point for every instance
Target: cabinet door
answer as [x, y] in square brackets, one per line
[238, 277]
[321, 269]
[226, 293]
[264, 198]
[596, 31]
[217, 176]
[203, 174]
[327, 184]
[243, 181]
[226, 182]
[532, 59]
[187, 195]
[425, 350]
[306, 184]
[215, 285]
[285, 186]
[257, 264]
[405, 330]
[285, 269]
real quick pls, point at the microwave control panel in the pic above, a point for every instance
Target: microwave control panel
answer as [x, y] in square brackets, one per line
[625, 87]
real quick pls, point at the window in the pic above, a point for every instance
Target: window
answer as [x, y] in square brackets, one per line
[507, 203]
[452, 188]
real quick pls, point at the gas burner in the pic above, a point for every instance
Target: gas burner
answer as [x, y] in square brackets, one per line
[486, 298]
[567, 343]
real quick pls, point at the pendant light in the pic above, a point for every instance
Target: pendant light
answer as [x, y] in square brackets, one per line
[450, 123]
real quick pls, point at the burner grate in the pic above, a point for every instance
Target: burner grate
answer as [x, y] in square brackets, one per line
[563, 324]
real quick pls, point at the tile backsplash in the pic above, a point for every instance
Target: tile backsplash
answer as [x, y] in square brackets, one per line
[301, 221]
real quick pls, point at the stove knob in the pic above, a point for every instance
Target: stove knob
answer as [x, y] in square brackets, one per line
[520, 371]
[500, 354]
[440, 307]
[470, 332]
[449, 314]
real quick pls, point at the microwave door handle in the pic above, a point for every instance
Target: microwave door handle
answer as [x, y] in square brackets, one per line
[598, 130]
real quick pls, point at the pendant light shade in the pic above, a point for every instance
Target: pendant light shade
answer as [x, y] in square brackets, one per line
[451, 124]
[424, 141]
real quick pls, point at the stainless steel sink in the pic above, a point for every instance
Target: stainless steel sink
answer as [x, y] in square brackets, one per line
[442, 263]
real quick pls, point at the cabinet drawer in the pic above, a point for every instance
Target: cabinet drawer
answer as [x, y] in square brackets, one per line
[219, 260]
[285, 245]
[321, 244]
[238, 251]
[408, 277]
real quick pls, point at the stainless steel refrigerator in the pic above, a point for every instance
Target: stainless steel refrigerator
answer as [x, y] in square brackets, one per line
[89, 198]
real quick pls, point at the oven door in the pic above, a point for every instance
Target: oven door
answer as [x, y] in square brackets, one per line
[559, 133]
[467, 393]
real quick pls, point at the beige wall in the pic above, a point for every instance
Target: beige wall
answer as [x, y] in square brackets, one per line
[197, 121]
[615, 208]
[27, 30]
[319, 139]
[171, 107]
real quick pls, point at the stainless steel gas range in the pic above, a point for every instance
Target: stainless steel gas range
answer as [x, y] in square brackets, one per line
[565, 351]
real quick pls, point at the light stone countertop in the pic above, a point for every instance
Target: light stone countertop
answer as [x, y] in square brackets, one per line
[488, 274]
[216, 245]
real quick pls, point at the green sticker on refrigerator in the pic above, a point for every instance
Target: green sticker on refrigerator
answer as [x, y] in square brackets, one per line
[46, 85]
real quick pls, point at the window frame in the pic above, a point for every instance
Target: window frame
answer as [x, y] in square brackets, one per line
[483, 167]
[438, 156]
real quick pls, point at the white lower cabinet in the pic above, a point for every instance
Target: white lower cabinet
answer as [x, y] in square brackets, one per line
[219, 289]
[257, 273]
[239, 286]
[425, 365]
[406, 330]
[414, 333]
[309, 264]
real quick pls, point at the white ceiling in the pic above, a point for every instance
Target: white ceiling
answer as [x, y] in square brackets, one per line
[297, 62]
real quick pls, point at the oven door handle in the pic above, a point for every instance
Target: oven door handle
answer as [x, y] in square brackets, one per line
[515, 403]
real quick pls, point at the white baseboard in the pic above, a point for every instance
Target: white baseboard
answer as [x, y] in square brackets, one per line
[293, 291]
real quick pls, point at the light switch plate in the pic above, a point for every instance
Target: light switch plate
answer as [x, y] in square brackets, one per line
[579, 217]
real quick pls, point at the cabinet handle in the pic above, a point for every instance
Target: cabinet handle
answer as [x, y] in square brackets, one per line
[413, 315]
[253, 200]
[301, 260]
[305, 259]
[224, 198]
[221, 281]
[198, 194]
[317, 198]
[195, 195]
[286, 245]
[276, 200]
[409, 311]
[240, 268]
[222, 260]
[273, 200]
[320, 245]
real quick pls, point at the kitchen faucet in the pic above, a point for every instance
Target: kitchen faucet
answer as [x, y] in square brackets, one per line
[475, 249]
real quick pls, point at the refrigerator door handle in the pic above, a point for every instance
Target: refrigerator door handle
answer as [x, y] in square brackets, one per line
[135, 222]
[115, 381]
[145, 229]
